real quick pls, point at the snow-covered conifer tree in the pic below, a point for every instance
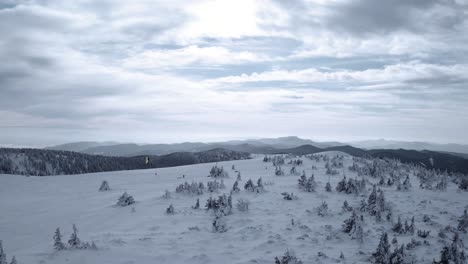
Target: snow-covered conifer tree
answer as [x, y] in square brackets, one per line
[288, 258]
[398, 227]
[463, 222]
[249, 186]
[3, 258]
[104, 186]
[235, 187]
[346, 207]
[125, 199]
[341, 187]
[58, 244]
[170, 209]
[74, 241]
[382, 253]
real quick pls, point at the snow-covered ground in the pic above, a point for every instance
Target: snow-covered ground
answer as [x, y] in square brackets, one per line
[31, 208]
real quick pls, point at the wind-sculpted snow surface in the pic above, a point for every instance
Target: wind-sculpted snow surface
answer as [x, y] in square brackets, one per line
[251, 226]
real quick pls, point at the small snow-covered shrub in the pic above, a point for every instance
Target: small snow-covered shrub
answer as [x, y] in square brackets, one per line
[405, 186]
[219, 224]
[74, 242]
[307, 184]
[288, 258]
[125, 199]
[346, 207]
[277, 160]
[423, 233]
[289, 196]
[351, 186]
[242, 205]
[249, 186]
[222, 205]
[166, 195]
[214, 186]
[463, 185]
[192, 189]
[322, 210]
[170, 209]
[279, 171]
[293, 171]
[218, 172]
[353, 227]
[104, 186]
[197, 204]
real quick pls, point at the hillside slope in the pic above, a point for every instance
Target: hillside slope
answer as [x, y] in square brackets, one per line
[33, 207]
[41, 162]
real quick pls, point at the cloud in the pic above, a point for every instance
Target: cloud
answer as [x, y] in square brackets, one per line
[176, 71]
[205, 56]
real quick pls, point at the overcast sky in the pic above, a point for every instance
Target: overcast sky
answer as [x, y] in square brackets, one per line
[172, 71]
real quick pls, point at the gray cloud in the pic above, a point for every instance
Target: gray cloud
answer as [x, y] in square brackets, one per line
[94, 69]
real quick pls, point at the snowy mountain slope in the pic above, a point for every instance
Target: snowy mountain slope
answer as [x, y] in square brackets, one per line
[33, 207]
[41, 162]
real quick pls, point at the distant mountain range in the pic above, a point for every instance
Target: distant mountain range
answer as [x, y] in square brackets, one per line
[410, 145]
[261, 146]
[266, 145]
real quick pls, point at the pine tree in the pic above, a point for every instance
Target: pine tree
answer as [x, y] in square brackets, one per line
[74, 241]
[456, 250]
[170, 209]
[235, 187]
[58, 245]
[349, 223]
[288, 258]
[13, 260]
[125, 199]
[104, 186]
[328, 187]
[398, 255]
[398, 227]
[310, 184]
[410, 228]
[260, 187]
[463, 222]
[358, 233]
[3, 258]
[363, 206]
[249, 186]
[322, 210]
[372, 202]
[302, 180]
[346, 207]
[341, 187]
[382, 253]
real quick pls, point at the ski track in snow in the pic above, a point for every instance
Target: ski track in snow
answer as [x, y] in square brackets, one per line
[33, 207]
